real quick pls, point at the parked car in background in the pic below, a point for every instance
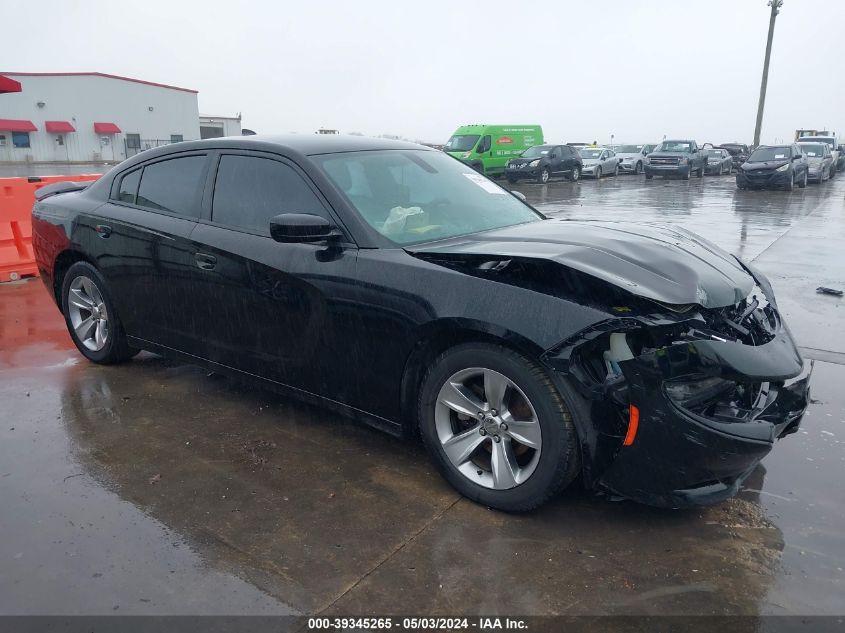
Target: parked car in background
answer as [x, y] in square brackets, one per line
[542, 162]
[599, 161]
[719, 161]
[819, 160]
[739, 152]
[488, 148]
[675, 158]
[774, 166]
[835, 149]
[631, 157]
[394, 285]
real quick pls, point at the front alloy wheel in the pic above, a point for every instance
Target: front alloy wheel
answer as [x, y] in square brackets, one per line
[497, 427]
[544, 176]
[488, 428]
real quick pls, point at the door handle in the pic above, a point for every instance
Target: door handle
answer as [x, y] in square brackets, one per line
[205, 262]
[103, 230]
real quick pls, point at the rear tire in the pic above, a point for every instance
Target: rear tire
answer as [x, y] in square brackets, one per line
[575, 174]
[91, 318]
[530, 401]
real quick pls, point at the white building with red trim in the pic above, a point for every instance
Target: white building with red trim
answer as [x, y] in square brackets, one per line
[90, 117]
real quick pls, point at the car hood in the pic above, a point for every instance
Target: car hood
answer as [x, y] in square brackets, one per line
[628, 155]
[670, 154]
[768, 164]
[667, 264]
[589, 162]
[521, 161]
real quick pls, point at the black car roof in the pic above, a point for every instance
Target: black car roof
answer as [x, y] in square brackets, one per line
[307, 144]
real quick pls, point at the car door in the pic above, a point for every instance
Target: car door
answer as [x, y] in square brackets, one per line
[556, 160]
[270, 307]
[140, 242]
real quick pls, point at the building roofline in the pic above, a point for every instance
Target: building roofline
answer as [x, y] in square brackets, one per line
[95, 74]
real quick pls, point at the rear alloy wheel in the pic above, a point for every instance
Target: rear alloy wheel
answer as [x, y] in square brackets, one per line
[90, 316]
[575, 174]
[497, 428]
[543, 176]
[616, 170]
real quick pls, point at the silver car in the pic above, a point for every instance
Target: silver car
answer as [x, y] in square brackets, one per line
[819, 161]
[599, 161]
[632, 157]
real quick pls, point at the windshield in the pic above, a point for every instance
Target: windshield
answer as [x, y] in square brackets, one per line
[461, 142]
[537, 151]
[589, 153]
[812, 150]
[675, 146]
[715, 153]
[629, 149]
[820, 139]
[412, 196]
[762, 154]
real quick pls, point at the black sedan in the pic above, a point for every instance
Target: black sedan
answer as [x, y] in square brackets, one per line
[542, 162]
[395, 285]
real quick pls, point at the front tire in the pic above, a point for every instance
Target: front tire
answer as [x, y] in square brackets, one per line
[598, 173]
[544, 176]
[497, 428]
[91, 318]
[638, 168]
[803, 183]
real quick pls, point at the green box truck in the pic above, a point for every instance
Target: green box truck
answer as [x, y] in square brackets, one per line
[488, 148]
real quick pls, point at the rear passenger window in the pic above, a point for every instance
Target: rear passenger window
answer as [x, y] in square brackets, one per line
[129, 186]
[173, 185]
[250, 190]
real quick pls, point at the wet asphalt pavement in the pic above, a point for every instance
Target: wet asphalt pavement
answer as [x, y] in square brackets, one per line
[155, 487]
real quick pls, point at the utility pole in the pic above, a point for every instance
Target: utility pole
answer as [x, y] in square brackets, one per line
[776, 5]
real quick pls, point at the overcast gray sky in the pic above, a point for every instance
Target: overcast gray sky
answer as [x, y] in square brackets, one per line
[637, 69]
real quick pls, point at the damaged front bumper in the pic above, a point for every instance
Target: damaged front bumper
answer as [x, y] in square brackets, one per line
[690, 446]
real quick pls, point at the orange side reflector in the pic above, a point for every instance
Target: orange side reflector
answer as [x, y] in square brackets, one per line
[633, 424]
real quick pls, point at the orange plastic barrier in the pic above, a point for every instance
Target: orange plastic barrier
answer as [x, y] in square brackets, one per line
[17, 195]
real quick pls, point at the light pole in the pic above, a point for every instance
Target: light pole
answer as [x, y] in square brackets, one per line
[776, 5]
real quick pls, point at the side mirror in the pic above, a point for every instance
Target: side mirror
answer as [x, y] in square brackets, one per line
[520, 195]
[302, 227]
